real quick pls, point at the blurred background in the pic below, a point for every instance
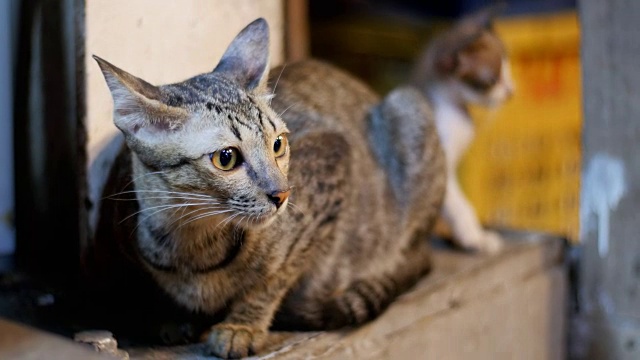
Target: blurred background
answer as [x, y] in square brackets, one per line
[575, 101]
[523, 170]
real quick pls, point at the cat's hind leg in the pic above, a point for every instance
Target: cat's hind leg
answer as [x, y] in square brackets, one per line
[404, 139]
[366, 298]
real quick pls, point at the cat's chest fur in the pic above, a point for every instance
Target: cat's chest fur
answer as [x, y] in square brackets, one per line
[455, 127]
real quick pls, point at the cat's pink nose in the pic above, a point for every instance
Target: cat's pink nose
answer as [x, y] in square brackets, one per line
[279, 197]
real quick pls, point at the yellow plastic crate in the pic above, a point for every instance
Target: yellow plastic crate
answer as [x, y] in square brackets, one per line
[523, 169]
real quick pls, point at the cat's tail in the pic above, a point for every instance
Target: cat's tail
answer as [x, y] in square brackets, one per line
[367, 298]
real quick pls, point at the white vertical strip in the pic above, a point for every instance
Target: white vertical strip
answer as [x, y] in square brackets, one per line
[604, 186]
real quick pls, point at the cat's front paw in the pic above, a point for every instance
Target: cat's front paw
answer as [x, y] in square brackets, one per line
[491, 242]
[485, 241]
[232, 341]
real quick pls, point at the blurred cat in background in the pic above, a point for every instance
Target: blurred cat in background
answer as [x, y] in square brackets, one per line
[465, 65]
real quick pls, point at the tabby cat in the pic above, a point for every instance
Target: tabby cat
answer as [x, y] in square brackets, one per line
[465, 65]
[302, 201]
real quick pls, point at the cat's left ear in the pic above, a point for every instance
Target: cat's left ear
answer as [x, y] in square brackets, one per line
[138, 106]
[246, 60]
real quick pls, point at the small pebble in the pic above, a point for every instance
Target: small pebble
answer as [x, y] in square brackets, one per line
[102, 341]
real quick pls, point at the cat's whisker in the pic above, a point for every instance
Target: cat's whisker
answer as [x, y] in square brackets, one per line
[183, 210]
[296, 208]
[161, 196]
[160, 192]
[177, 206]
[143, 210]
[224, 221]
[166, 198]
[183, 215]
[141, 176]
[162, 208]
[178, 209]
[202, 216]
[212, 213]
[250, 219]
[285, 110]
[273, 93]
[229, 219]
[242, 218]
[268, 97]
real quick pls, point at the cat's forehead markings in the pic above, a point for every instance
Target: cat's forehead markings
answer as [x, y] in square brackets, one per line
[236, 132]
[264, 120]
[263, 116]
[202, 89]
[223, 98]
[258, 113]
[234, 119]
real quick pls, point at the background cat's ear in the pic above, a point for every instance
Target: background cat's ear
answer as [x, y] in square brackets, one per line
[483, 18]
[462, 34]
[246, 60]
[138, 104]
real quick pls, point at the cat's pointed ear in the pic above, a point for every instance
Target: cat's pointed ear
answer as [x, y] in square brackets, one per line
[467, 30]
[138, 104]
[483, 18]
[246, 60]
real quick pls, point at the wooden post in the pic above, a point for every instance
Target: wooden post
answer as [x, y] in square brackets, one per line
[297, 30]
[610, 204]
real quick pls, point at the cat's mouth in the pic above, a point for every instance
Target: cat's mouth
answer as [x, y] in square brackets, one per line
[257, 221]
[260, 219]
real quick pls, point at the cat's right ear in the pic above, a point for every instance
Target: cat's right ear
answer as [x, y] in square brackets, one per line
[483, 18]
[246, 60]
[463, 33]
[137, 104]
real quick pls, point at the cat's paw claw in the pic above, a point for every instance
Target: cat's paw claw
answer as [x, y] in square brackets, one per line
[230, 341]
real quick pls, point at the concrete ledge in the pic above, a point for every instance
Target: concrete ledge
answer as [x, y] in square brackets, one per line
[22, 342]
[508, 306]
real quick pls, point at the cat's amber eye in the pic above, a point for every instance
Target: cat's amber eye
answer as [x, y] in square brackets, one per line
[280, 145]
[226, 159]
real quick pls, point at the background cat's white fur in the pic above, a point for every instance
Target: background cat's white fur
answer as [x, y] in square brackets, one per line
[503, 89]
[456, 131]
